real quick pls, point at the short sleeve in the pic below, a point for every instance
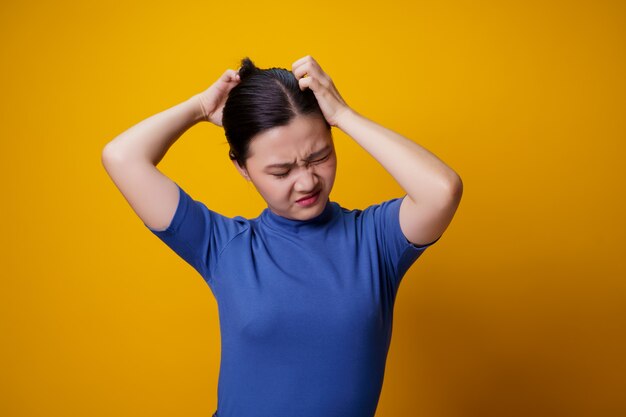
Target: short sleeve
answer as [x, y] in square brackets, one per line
[396, 250]
[198, 234]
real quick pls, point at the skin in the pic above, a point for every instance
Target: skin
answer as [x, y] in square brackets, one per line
[308, 146]
[433, 189]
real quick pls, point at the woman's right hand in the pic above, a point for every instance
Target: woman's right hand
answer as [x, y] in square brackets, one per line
[213, 98]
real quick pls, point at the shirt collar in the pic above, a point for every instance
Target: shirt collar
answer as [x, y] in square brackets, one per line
[299, 226]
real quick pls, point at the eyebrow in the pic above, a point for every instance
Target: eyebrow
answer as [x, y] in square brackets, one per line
[310, 157]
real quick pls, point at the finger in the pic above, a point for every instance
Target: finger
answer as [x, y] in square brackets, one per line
[306, 62]
[230, 75]
[312, 69]
[300, 61]
[307, 58]
[304, 69]
[296, 70]
[305, 83]
[316, 76]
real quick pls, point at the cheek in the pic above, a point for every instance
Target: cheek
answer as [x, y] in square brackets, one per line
[329, 169]
[276, 189]
[264, 187]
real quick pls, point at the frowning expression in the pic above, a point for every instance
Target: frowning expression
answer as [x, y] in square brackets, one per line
[291, 162]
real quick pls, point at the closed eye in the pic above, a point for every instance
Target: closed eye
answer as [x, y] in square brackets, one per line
[318, 161]
[314, 162]
[281, 175]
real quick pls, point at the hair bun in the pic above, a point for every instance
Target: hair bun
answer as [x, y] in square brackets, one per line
[247, 68]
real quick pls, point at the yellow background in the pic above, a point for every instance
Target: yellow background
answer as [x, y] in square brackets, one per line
[519, 310]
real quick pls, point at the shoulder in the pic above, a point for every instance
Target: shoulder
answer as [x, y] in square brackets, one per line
[373, 210]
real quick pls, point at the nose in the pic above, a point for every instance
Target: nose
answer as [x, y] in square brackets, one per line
[307, 181]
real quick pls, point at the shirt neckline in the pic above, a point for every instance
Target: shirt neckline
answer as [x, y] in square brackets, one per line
[298, 226]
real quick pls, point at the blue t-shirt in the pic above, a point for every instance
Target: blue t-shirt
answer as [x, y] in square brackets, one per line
[305, 307]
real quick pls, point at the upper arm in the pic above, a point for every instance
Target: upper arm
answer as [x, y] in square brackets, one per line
[424, 223]
[152, 195]
[380, 229]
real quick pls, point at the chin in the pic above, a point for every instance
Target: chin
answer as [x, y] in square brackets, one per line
[315, 210]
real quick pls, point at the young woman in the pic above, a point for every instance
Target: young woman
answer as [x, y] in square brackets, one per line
[305, 291]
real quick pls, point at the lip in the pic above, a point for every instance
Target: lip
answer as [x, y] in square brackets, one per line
[309, 196]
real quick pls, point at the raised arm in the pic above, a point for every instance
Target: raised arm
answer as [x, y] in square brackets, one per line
[131, 158]
[433, 189]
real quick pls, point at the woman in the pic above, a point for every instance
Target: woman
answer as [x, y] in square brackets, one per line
[305, 291]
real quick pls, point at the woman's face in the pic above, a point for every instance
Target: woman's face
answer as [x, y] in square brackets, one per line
[287, 163]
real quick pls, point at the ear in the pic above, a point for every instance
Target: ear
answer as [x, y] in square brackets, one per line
[243, 171]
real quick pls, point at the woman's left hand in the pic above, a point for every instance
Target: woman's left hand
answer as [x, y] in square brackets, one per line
[310, 75]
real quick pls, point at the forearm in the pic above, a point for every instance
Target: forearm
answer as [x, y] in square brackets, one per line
[423, 176]
[150, 139]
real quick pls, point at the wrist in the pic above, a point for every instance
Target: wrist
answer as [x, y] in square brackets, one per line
[345, 118]
[198, 108]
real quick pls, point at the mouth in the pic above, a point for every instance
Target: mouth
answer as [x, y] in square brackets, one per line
[309, 199]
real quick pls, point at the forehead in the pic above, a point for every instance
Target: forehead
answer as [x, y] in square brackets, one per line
[302, 136]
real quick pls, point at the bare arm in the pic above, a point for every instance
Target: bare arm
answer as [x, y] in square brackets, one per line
[131, 158]
[433, 189]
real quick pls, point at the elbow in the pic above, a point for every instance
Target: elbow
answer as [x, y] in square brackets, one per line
[453, 189]
[111, 156]
[108, 155]
[457, 189]
[456, 184]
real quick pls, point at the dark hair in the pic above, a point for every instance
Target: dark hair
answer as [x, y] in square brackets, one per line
[263, 99]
